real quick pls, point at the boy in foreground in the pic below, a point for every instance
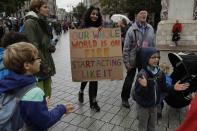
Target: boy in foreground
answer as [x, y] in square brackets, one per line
[23, 62]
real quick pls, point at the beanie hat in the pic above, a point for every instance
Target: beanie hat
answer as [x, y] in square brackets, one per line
[140, 8]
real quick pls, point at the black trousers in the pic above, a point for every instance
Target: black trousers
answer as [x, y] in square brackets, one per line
[126, 89]
[93, 87]
[176, 37]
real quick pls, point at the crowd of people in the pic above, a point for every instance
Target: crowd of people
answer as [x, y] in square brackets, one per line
[26, 68]
[8, 24]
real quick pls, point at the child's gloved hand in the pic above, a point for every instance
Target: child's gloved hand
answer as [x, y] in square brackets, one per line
[69, 107]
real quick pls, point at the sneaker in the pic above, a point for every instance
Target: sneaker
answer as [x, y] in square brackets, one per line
[125, 104]
[95, 107]
[80, 97]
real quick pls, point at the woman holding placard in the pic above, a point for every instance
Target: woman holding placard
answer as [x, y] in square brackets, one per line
[92, 18]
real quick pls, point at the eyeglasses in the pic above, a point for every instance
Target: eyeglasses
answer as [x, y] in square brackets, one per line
[155, 57]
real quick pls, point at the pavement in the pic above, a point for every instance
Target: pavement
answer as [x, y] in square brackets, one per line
[112, 117]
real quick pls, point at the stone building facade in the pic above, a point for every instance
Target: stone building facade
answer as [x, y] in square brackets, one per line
[184, 12]
[61, 14]
[52, 7]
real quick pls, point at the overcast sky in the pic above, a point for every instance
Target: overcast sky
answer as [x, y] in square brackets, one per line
[67, 4]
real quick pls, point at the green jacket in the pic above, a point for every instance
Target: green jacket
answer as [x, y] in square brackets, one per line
[41, 40]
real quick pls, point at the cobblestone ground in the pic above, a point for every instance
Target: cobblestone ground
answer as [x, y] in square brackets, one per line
[112, 116]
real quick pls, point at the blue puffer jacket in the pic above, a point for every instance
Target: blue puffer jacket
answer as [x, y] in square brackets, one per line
[34, 110]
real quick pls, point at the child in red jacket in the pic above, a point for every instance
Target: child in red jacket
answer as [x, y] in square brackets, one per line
[176, 30]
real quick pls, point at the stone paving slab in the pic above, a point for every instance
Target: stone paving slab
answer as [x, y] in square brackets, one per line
[112, 117]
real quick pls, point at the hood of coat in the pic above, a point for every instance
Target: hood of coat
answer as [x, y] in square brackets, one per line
[31, 14]
[145, 54]
[13, 81]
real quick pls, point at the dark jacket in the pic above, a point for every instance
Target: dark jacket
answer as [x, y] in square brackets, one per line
[34, 110]
[149, 96]
[1, 32]
[37, 32]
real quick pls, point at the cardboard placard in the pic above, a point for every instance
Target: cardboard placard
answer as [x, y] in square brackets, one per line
[96, 55]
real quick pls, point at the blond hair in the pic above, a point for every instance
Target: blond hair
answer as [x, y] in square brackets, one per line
[164, 67]
[35, 5]
[17, 54]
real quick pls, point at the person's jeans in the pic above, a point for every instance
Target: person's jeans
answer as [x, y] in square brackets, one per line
[126, 89]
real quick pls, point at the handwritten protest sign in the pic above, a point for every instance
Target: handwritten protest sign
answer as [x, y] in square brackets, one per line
[96, 55]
